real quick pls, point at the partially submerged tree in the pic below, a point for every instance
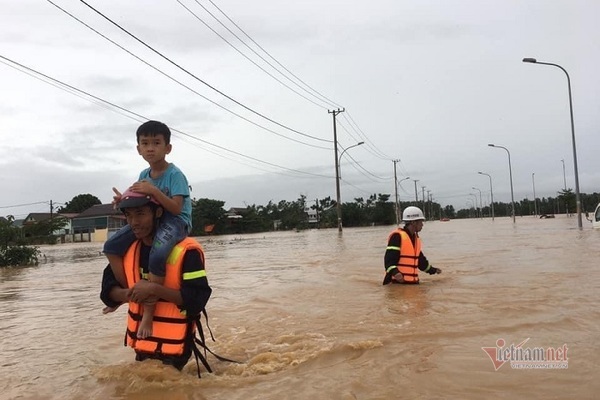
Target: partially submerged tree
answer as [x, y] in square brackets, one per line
[12, 250]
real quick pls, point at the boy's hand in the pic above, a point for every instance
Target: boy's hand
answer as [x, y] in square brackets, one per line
[141, 292]
[116, 198]
[144, 187]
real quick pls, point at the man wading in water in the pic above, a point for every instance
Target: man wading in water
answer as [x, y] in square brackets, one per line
[179, 301]
[403, 256]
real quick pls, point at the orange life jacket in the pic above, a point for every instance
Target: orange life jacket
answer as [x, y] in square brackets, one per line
[409, 256]
[170, 326]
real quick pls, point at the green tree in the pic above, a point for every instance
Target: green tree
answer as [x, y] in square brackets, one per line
[293, 214]
[12, 251]
[383, 211]
[207, 212]
[79, 203]
[567, 198]
[449, 212]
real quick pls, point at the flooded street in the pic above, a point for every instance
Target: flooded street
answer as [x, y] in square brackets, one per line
[309, 318]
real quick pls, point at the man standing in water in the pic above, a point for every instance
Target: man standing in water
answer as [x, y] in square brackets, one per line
[179, 301]
[403, 254]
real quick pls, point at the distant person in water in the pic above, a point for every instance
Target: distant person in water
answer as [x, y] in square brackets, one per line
[403, 256]
[165, 183]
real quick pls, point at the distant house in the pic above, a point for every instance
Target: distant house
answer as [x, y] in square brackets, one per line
[36, 218]
[68, 227]
[313, 216]
[97, 223]
[234, 217]
[236, 213]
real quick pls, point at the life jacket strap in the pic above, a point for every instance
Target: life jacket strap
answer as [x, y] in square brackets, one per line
[201, 341]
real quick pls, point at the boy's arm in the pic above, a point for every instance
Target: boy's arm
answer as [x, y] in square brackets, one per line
[144, 289]
[171, 204]
[111, 292]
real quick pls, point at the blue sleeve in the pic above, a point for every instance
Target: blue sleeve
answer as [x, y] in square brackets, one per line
[179, 184]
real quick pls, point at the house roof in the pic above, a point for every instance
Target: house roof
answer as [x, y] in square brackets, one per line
[99, 210]
[68, 215]
[37, 217]
[238, 210]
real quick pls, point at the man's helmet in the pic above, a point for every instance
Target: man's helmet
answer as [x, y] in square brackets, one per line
[131, 199]
[412, 214]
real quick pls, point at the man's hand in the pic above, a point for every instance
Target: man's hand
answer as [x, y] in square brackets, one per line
[142, 291]
[438, 271]
[398, 277]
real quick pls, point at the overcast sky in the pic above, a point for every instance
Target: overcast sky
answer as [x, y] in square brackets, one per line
[430, 83]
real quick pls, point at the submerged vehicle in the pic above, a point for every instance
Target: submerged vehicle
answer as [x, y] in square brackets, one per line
[596, 217]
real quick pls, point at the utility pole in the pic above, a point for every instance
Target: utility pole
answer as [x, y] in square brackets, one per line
[429, 204]
[416, 198]
[423, 208]
[51, 209]
[396, 191]
[565, 190]
[334, 113]
[317, 209]
[534, 199]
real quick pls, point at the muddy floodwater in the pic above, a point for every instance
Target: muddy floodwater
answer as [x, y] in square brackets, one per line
[307, 315]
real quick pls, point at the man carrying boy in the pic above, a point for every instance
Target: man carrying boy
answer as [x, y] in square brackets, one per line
[182, 297]
[165, 183]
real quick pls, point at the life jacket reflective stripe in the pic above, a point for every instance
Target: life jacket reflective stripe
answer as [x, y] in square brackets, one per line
[409, 256]
[170, 326]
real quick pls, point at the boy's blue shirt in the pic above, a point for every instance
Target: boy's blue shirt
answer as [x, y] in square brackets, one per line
[173, 183]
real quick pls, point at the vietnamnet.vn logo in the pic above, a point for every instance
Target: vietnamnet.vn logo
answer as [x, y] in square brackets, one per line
[521, 357]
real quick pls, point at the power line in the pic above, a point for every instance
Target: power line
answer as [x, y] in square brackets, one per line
[24, 205]
[323, 98]
[182, 84]
[360, 132]
[368, 146]
[200, 80]
[357, 164]
[73, 88]
[244, 55]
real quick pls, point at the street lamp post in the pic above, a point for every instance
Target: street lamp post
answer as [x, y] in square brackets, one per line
[469, 204]
[577, 195]
[534, 198]
[423, 202]
[512, 196]
[476, 208]
[337, 182]
[564, 176]
[480, 202]
[491, 191]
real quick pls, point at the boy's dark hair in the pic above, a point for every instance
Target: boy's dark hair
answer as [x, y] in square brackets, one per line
[154, 128]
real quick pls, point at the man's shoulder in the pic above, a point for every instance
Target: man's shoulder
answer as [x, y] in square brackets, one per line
[189, 243]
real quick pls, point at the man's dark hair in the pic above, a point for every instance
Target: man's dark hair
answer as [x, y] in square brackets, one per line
[154, 128]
